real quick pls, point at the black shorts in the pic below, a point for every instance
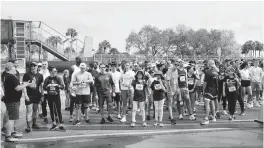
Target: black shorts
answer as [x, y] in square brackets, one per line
[117, 97]
[210, 93]
[104, 96]
[245, 83]
[13, 110]
[33, 100]
[83, 99]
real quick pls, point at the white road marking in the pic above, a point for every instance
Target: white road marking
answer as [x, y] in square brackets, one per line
[121, 134]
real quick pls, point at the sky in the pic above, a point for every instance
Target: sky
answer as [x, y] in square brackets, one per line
[113, 21]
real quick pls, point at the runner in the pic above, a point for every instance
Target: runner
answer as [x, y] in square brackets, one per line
[192, 80]
[210, 90]
[117, 97]
[34, 95]
[105, 86]
[140, 95]
[230, 90]
[221, 77]
[126, 88]
[66, 81]
[159, 88]
[53, 84]
[82, 80]
[150, 97]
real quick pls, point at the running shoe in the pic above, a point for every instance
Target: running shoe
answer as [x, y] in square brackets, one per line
[144, 124]
[213, 120]
[88, 121]
[118, 116]
[155, 124]
[3, 131]
[61, 128]
[249, 105]
[148, 117]
[35, 126]
[53, 128]
[71, 119]
[76, 122]
[123, 120]
[133, 124]
[161, 125]
[218, 116]
[224, 112]
[230, 118]
[191, 117]
[257, 105]
[185, 113]
[205, 122]
[196, 103]
[242, 113]
[110, 119]
[180, 117]
[28, 129]
[10, 139]
[102, 121]
[173, 121]
[16, 135]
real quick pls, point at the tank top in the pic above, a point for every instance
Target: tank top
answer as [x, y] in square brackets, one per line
[182, 78]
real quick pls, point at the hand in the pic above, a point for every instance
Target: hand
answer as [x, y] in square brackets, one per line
[27, 83]
[114, 94]
[224, 95]
[27, 98]
[41, 100]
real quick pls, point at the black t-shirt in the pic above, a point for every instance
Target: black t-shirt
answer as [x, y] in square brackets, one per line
[104, 83]
[158, 93]
[10, 83]
[191, 81]
[140, 90]
[33, 92]
[230, 84]
[53, 90]
[211, 78]
[221, 77]
[4, 74]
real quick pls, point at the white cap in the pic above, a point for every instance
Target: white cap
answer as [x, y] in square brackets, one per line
[39, 64]
[82, 65]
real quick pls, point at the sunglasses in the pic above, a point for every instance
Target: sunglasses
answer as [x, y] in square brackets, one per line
[102, 67]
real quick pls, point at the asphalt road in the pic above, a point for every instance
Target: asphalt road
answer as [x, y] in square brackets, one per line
[246, 138]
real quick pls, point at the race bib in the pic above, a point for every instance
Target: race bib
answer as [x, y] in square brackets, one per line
[157, 86]
[139, 87]
[182, 78]
[82, 85]
[52, 88]
[232, 88]
[190, 82]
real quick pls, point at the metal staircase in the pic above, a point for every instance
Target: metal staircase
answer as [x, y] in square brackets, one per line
[19, 36]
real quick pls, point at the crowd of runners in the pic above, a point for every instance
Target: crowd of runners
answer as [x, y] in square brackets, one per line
[130, 86]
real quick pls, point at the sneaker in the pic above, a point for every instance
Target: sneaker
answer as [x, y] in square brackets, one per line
[53, 128]
[88, 121]
[155, 124]
[205, 122]
[230, 118]
[173, 121]
[102, 121]
[45, 121]
[257, 105]
[249, 105]
[196, 103]
[224, 112]
[10, 139]
[148, 117]
[3, 131]
[235, 112]
[144, 124]
[35, 126]
[213, 120]
[61, 128]
[119, 116]
[218, 116]
[76, 122]
[169, 118]
[242, 113]
[28, 129]
[191, 117]
[161, 125]
[133, 124]
[16, 135]
[252, 105]
[194, 110]
[127, 112]
[71, 119]
[180, 117]
[123, 120]
[110, 119]
[185, 113]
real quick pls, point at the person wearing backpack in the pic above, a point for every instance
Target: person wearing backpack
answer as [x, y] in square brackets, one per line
[53, 84]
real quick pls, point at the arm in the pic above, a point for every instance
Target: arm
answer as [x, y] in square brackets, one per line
[90, 79]
[112, 84]
[45, 84]
[224, 89]
[74, 80]
[41, 86]
[61, 84]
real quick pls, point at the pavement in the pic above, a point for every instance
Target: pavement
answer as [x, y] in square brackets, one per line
[136, 136]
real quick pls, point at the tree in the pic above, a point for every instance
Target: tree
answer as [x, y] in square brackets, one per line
[69, 50]
[247, 46]
[227, 42]
[166, 40]
[103, 46]
[258, 46]
[71, 32]
[113, 51]
[54, 41]
[4, 50]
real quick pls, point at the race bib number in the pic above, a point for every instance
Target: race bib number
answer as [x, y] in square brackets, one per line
[125, 84]
[52, 88]
[191, 82]
[139, 87]
[182, 78]
[232, 88]
[157, 86]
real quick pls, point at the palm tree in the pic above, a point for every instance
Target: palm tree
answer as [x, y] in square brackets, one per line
[258, 46]
[68, 50]
[113, 51]
[54, 41]
[104, 45]
[72, 33]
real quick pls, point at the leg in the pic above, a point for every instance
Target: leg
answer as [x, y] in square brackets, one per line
[67, 100]
[57, 107]
[34, 113]
[186, 99]
[101, 104]
[156, 103]
[160, 108]
[87, 101]
[192, 99]
[125, 98]
[169, 104]
[134, 111]
[142, 109]
[44, 106]
[72, 102]
[29, 114]
[51, 106]
[79, 103]
[240, 100]
[109, 105]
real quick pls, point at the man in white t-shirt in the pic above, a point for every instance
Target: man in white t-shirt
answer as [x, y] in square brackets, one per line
[256, 74]
[116, 75]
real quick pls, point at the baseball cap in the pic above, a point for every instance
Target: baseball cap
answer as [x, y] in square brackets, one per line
[39, 64]
[82, 65]
[33, 64]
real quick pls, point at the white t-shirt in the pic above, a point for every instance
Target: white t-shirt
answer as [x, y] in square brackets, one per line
[126, 80]
[256, 73]
[45, 74]
[116, 76]
[83, 88]
[245, 74]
